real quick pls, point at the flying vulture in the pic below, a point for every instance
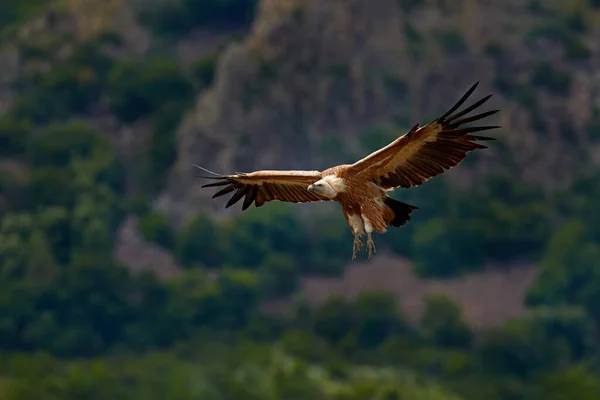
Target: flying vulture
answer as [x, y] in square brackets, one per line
[360, 188]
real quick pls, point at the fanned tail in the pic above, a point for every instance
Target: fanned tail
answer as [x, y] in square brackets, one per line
[401, 211]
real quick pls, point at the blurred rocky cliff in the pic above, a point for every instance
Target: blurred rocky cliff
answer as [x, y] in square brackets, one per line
[317, 83]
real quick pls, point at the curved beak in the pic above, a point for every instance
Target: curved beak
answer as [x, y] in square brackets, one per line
[310, 188]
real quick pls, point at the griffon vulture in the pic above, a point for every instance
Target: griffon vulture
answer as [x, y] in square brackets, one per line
[360, 188]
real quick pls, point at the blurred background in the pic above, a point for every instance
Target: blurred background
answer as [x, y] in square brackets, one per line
[121, 279]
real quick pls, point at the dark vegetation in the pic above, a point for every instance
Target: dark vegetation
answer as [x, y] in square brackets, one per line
[74, 324]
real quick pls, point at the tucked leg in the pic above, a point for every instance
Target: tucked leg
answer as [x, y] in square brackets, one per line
[370, 244]
[357, 245]
[357, 226]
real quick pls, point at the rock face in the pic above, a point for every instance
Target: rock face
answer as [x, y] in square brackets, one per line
[140, 256]
[312, 74]
[308, 76]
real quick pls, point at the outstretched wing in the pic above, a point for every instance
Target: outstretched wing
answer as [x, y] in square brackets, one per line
[426, 151]
[261, 186]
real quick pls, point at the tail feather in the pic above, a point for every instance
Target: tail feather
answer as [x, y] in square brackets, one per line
[401, 211]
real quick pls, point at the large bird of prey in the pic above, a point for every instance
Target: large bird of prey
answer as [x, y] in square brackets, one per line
[360, 188]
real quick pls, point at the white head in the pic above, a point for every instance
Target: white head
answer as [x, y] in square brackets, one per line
[329, 186]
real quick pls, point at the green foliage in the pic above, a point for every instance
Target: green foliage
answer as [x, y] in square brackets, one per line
[576, 49]
[176, 18]
[239, 372]
[329, 245]
[63, 152]
[518, 218]
[13, 11]
[161, 151]
[408, 5]
[279, 275]
[258, 232]
[493, 48]
[334, 320]
[198, 243]
[204, 70]
[137, 89]
[414, 40]
[568, 271]
[154, 227]
[377, 318]
[70, 87]
[566, 32]
[14, 136]
[363, 324]
[441, 249]
[374, 138]
[443, 324]
[546, 76]
[59, 144]
[535, 6]
[13, 193]
[577, 382]
[543, 342]
[51, 186]
[452, 42]
[575, 22]
[240, 291]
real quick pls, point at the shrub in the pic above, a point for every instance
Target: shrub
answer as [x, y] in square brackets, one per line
[59, 144]
[51, 186]
[544, 341]
[14, 134]
[12, 11]
[176, 18]
[258, 232]
[575, 22]
[137, 90]
[443, 324]
[204, 70]
[334, 320]
[279, 275]
[568, 273]
[155, 228]
[161, 152]
[575, 49]
[452, 42]
[376, 137]
[444, 248]
[545, 75]
[240, 293]
[331, 246]
[408, 5]
[70, 87]
[198, 243]
[493, 48]
[378, 318]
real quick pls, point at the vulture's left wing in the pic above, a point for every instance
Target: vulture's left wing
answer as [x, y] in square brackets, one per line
[426, 151]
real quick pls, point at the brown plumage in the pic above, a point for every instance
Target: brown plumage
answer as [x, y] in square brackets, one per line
[360, 188]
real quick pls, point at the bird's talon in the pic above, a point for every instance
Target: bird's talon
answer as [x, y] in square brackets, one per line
[371, 247]
[356, 248]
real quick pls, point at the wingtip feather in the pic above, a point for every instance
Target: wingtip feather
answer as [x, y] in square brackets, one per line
[459, 102]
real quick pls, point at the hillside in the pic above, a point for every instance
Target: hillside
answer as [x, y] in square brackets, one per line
[339, 89]
[116, 266]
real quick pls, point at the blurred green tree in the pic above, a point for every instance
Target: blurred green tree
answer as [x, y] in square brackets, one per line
[443, 324]
[137, 90]
[199, 243]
